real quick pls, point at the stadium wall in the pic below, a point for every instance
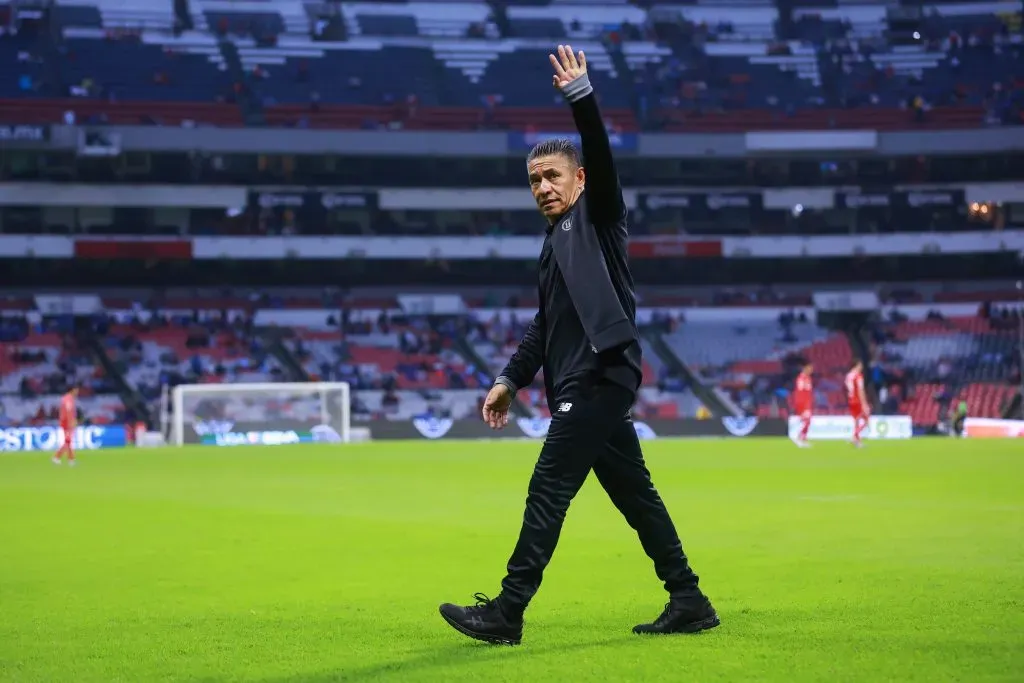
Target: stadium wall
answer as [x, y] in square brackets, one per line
[228, 433]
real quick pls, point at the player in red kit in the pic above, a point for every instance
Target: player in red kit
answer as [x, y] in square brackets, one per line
[857, 400]
[68, 422]
[803, 403]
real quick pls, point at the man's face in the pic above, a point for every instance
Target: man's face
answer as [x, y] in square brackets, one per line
[556, 183]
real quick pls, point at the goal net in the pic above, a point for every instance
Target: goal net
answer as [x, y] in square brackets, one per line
[264, 413]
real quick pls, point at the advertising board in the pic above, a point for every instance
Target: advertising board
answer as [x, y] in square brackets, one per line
[834, 427]
[277, 433]
[22, 439]
[227, 433]
[537, 428]
[988, 428]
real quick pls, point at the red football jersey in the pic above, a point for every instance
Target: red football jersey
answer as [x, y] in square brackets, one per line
[67, 409]
[854, 383]
[803, 393]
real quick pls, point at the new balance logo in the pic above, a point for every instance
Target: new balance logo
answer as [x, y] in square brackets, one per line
[739, 426]
[564, 407]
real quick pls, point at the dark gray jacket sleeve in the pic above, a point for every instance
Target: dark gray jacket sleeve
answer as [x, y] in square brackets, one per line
[604, 193]
[522, 367]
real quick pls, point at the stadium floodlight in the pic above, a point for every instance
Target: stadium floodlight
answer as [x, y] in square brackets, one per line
[260, 413]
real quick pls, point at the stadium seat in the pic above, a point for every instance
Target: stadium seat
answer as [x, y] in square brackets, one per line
[34, 373]
[741, 73]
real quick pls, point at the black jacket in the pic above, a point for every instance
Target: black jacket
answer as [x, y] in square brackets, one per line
[589, 245]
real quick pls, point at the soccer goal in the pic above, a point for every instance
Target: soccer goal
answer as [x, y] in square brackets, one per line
[259, 413]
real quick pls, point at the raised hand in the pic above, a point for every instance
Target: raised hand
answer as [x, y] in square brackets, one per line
[496, 405]
[568, 67]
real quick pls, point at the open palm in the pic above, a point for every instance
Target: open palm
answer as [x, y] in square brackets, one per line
[568, 67]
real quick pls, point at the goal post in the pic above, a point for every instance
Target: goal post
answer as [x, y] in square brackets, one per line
[261, 413]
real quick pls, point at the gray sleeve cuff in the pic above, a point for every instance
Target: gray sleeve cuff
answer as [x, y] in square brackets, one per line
[506, 382]
[578, 88]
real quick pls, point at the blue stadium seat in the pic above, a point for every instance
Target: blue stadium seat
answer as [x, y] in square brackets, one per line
[387, 25]
[247, 23]
[409, 70]
[78, 15]
[536, 28]
[128, 69]
[451, 54]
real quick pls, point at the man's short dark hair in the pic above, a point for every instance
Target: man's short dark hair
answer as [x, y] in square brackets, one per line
[556, 147]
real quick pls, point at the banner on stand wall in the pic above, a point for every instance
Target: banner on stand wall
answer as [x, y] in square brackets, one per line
[23, 439]
[537, 428]
[269, 433]
[991, 428]
[280, 432]
[838, 427]
[23, 135]
[310, 206]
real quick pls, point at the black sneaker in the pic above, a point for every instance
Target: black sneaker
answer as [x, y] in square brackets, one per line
[683, 615]
[484, 621]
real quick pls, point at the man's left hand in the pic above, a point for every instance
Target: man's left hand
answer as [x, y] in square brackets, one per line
[568, 67]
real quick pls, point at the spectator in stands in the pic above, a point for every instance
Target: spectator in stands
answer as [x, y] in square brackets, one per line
[25, 388]
[959, 419]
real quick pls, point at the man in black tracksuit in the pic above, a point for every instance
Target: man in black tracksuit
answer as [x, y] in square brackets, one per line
[585, 338]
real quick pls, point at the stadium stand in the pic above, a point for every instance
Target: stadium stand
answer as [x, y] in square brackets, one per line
[400, 367]
[172, 350]
[403, 366]
[928, 402]
[462, 65]
[754, 361]
[409, 368]
[713, 345]
[472, 65]
[921, 366]
[939, 362]
[37, 366]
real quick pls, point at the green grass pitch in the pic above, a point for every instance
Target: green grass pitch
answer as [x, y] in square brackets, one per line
[900, 562]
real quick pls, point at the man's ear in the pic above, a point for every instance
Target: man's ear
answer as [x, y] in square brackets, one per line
[581, 177]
